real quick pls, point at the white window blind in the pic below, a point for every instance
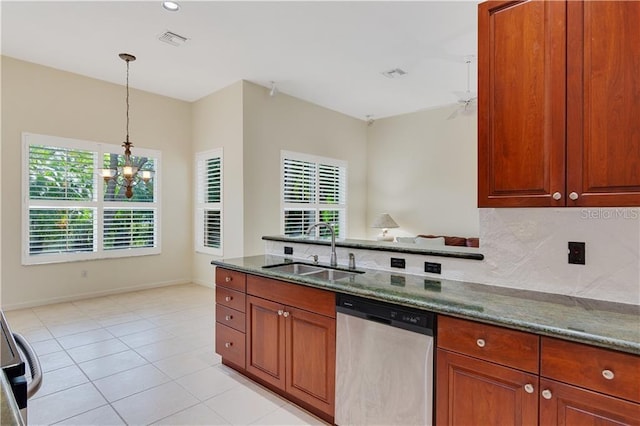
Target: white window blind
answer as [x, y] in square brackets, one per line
[64, 218]
[208, 229]
[313, 190]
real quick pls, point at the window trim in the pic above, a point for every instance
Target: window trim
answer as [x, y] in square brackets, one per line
[97, 203]
[201, 206]
[316, 207]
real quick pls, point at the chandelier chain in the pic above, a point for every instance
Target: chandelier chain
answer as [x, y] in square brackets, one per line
[127, 101]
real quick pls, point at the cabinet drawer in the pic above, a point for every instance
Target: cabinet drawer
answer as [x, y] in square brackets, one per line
[230, 298]
[231, 279]
[308, 298]
[230, 344]
[230, 317]
[512, 348]
[602, 370]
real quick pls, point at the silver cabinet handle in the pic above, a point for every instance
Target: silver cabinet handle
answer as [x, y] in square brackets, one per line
[528, 388]
[227, 279]
[480, 343]
[574, 196]
[228, 344]
[546, 394]
[228, 298]
[280, 312]
[556, 196]
[228, 317]
[608, 374]
[285, 314]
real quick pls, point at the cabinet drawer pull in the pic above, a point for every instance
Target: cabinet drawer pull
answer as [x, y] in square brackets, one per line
[480, 343]
[280, 312]
[574, 196]
[285, 314]
[546, 394]
[528, 388]
[228, 344]
[608, 374]
[228, 317]
[227, 279]
[556, 196]
[228, 298]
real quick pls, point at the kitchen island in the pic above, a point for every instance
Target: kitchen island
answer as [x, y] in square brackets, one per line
[609, 325]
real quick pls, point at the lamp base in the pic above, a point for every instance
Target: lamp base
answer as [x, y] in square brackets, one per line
[385, 237]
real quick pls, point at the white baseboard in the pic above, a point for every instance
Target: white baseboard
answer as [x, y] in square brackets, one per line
[89, 295]
[207, 283]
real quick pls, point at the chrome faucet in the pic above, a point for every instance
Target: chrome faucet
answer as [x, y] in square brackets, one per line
[334, 258]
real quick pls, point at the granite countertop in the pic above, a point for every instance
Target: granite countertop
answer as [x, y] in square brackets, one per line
[10, 412]
[599, 323]
[458, 252]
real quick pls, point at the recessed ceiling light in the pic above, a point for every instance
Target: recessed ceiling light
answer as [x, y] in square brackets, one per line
[171, 6]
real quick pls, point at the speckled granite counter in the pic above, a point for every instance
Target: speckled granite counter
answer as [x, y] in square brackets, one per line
[10, 411]
[605, 324]
[443, 251]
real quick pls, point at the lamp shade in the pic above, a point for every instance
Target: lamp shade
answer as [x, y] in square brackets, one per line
[384, 221]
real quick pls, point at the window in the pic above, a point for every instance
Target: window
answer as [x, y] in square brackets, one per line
[313, 190]
[208, 223]
[70, 213]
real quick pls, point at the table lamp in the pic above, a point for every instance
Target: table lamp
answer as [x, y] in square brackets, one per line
[384, 222]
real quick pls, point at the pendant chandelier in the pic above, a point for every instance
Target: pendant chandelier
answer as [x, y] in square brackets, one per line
[129, 173]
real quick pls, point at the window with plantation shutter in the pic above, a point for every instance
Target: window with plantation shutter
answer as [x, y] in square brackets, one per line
[313, 190]
[69, 213]
[208, 229]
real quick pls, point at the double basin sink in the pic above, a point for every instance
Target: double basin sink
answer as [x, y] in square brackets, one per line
[314, 271]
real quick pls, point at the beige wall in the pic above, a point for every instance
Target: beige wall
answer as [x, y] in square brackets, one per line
[282, 122]
[217, 123]
[422, 170]
[43, 100]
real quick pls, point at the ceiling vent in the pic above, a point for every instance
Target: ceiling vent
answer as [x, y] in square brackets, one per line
[394, 73]
[172, 38]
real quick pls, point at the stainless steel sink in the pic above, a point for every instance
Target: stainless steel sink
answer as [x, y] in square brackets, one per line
[315, 271]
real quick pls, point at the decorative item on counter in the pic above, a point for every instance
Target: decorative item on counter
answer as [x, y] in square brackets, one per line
[384, 222]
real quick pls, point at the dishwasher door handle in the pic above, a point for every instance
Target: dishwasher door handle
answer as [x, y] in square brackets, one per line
[378, 319]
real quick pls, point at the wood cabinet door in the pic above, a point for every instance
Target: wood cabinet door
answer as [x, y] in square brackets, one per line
[311, 358]
[265, 349]
[562, 404]
[603, 103]
[473, 392]
[521, 103]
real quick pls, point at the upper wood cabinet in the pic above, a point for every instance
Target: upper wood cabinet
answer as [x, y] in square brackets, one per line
[558, 103]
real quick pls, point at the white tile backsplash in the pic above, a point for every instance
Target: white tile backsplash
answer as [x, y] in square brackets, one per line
[526, 248]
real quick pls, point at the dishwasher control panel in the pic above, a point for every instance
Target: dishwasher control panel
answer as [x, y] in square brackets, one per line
[387, 313]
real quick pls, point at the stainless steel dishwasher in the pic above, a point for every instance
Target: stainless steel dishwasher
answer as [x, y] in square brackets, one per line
[384, 363]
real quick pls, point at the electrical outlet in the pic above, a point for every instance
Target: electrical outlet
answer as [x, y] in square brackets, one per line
[433, 267]
[397, 263]
[288, 250]
[577, 253]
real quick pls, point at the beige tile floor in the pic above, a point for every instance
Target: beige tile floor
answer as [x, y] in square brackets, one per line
[145, 357]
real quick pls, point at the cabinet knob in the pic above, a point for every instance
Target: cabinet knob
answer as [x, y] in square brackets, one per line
[228, 317]
[227, 279]
[228, 344]
[574, 196]
[556, 196]
[608, 374]
[228, 298]
[280, 311]
[480, 343]
[285, 314]
[528, 388]
[546, 394]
